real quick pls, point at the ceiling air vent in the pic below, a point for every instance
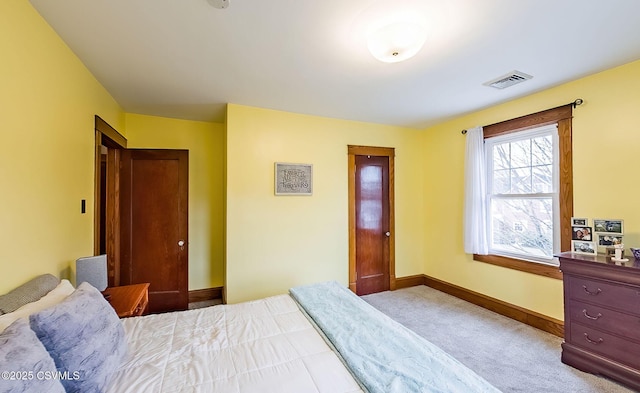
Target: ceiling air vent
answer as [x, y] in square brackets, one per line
[512, 78]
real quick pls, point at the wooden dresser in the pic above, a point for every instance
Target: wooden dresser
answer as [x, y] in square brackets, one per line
[602, 316]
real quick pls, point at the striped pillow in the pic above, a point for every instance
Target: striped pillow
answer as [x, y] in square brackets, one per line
[28, 292]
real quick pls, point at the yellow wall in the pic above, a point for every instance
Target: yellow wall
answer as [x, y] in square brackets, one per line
[605, 150]
[274, 243]
[205, 142]
[48, 100]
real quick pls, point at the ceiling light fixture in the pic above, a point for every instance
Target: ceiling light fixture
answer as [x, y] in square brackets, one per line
[397, 41]
[222, 4]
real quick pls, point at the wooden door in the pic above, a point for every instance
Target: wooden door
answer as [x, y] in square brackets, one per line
[154, 225]
[372, 226]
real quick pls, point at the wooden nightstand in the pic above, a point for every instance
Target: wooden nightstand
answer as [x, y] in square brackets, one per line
[128, 300]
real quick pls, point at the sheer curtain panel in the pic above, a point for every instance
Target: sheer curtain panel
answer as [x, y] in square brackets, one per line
[475, 194]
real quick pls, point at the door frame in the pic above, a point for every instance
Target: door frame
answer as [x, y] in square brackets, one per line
[353, 151]
[105, 135]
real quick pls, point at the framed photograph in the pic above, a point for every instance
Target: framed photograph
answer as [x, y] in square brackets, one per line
[608, 226]
[579, 222]
[605, 240]
[582, 247]
[581, 233]
[293, 179]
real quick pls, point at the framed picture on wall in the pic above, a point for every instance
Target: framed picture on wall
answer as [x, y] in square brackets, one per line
[293, 179]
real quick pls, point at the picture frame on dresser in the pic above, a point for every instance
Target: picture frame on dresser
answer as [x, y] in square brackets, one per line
[584, 247]
[579, 222]
[606, 239]
[583, 233]
[607, 225]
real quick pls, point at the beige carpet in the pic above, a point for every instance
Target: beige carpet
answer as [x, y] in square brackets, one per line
[512, 356]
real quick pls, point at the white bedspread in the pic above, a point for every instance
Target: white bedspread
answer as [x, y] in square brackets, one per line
[262, 346]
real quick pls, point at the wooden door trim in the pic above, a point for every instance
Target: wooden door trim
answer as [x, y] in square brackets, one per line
[113, 134]
[389, 152]
[112, 225]
[96, 190]
[105, 135]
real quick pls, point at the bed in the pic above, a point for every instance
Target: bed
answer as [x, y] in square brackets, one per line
[318, 338]
[261, 346]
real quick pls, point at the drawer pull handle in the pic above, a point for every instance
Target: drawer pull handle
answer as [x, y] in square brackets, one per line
[597, 292]
[589, 316]
[599, 341]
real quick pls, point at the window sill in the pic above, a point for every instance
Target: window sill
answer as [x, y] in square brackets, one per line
[540, 269]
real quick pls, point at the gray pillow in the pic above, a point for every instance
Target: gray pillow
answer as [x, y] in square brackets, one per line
[28, 292]
[83, 334]
[24, 358]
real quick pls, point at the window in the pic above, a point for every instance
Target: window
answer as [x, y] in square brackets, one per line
[522, 205]
[530, 191]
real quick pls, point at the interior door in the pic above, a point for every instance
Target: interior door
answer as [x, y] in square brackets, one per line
[372, 226]
[154, 225]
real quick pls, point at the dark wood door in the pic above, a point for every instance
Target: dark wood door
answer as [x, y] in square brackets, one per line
[154, 225]
[372, 224]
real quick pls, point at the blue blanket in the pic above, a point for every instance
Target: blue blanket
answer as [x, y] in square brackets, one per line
[384, 355]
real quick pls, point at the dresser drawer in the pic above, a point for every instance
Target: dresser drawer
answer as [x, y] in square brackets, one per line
[596, 341]
[605, 319]
[621, 297]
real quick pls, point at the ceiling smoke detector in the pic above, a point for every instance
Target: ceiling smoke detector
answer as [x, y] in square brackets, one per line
[510, 79]
[221, 4]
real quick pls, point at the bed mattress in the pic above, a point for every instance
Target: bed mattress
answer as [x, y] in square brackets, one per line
[266, 345]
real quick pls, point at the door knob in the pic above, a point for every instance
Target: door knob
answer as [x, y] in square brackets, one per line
[181, 243]
[387, 234]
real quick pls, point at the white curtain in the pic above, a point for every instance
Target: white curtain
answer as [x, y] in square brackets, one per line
[475, 194]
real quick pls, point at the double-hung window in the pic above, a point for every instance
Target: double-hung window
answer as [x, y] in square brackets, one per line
[522, 186]
[529, 191]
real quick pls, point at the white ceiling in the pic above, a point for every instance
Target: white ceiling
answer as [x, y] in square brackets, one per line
[186, 59]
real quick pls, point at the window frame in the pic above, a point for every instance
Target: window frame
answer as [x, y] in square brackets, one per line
[550, 130]
[561, 116]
